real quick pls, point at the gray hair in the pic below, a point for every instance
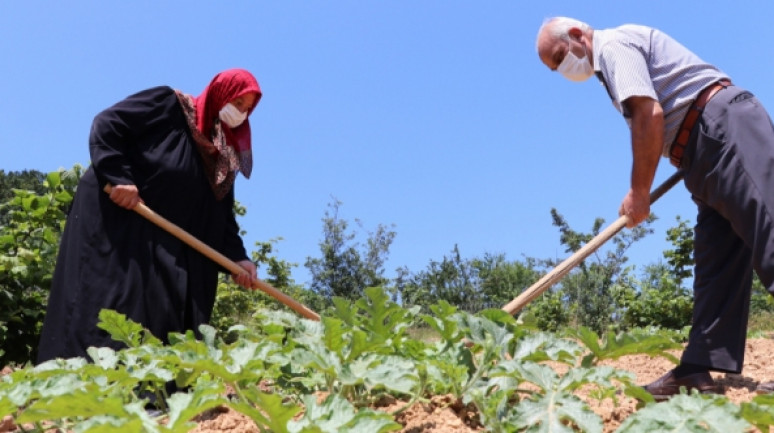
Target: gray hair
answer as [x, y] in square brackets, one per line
[559, 27]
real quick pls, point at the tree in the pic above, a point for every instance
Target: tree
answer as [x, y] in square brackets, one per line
[346, 268]
[30, 180]
[548, 312]
[468, 284]
[502, 281]
[680, 258]
[681, 262]
[656, 300]
[453, 279]
[589, 288]
[29, 242]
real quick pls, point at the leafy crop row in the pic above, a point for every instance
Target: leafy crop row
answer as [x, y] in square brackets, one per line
[294, 375]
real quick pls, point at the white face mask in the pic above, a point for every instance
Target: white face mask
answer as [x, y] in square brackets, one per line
[576, 68]
[231, 116]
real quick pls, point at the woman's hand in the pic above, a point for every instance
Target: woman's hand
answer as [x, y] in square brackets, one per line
[245, 279]
[125, 196]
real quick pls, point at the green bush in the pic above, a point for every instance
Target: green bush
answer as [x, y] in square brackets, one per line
[661, 302]
[548, 312]
[29, 242]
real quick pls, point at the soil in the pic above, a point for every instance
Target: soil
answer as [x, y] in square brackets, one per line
[443, 414]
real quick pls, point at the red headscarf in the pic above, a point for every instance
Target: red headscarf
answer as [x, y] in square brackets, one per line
[224, 88]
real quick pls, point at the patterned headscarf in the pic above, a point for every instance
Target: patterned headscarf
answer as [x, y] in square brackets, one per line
[224, 150]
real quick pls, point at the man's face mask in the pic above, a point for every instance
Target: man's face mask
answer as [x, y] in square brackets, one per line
[575, 68]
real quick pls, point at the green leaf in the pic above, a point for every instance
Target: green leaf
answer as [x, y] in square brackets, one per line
[539, 374]
[494, 409]
[317, 358]
[444, 321]
[111, 424]
[57, 365]
[53, 384]
[63, 197]
[209, 335]
[386, 372]
[541, 346]
[85, 402]
[334, 334]
[367, 420]
[687, 413]
[359, 344]
[379, 313]
[344, 311]
[447, 375]
[150, 371]
[615, 346]
[6, 406]
[336, 414]
[599, 376]
[49, 236]
[241, 355]
[759, 412]
[485, 333]
[29, 203]
[53, 179]
[125, 331]
[556, 412]
[104, 357]
[266, 410]
[6, 240]
[185, 406]
[498, 316]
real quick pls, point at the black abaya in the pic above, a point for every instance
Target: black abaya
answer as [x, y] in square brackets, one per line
[113, 258]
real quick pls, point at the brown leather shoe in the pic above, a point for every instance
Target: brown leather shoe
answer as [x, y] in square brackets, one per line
[668, 385]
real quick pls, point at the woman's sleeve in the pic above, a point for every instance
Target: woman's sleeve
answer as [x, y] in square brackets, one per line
[115, 130]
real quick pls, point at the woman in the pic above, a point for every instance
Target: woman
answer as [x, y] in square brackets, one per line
[179, 154]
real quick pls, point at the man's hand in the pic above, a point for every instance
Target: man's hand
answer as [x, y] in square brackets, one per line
[636, 207]
[245, 279]
[125, 196]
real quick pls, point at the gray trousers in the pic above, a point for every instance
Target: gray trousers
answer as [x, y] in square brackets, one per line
[729, 171]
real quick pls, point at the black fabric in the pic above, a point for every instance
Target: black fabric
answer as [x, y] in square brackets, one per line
[729, 170]
[114, 258]
[686, 369]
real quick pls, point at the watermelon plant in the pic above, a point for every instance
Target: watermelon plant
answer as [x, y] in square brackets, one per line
[289, 374]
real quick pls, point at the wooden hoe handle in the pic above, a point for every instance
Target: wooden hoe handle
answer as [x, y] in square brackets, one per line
[219, 258]
[563, 268]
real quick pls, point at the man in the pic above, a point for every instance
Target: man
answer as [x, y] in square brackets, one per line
[682, 108]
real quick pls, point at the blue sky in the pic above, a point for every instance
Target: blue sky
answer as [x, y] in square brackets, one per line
[434, 116]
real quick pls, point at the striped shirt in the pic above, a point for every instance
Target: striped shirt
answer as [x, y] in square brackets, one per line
[633, 60]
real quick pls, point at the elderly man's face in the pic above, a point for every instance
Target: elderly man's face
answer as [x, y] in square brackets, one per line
[552, 50]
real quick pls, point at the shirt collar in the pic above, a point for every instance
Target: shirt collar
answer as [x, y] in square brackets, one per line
[597, 38]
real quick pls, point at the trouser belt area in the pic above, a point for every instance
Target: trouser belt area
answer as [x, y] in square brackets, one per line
[684, 133]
